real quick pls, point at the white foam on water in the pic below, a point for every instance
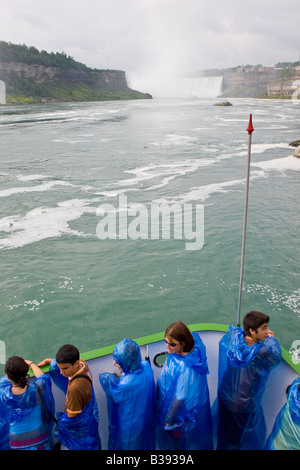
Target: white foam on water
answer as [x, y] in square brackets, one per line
[28, 189]
[163, 173]
[32, 177]
[31, 304]
[202, 193]
[44, 222]
[293, 301]
[280, 164]
[71, 141]
[261, 148]
[275, 298]
[68, 283]
[166, 171]
[176, 140]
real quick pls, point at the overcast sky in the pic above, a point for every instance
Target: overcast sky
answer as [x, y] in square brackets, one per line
[156, 38]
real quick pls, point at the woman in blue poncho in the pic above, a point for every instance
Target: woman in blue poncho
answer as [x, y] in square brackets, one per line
[286, 431]
[28, 408]
[183, 399]
[246, 357]
[130, 400]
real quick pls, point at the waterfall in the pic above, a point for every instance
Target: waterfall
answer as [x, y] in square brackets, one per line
[201, 87]
[2, 93]
[197, 87]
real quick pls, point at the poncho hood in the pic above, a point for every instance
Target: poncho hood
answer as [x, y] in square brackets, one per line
[127, 354]
[195, 359]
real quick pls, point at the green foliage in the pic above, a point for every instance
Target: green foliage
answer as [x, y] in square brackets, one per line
[288, 64]
[30, 55]
[21, 91]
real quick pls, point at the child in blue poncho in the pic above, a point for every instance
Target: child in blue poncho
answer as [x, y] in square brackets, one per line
[185, 421]
[246, 357]
[130, 400]
[77, 426]
[26, 409]
[286, 431]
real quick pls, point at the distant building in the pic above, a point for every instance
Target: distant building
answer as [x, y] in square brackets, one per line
[2, 93]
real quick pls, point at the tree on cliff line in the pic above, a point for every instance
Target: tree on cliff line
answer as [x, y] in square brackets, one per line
[31, 55]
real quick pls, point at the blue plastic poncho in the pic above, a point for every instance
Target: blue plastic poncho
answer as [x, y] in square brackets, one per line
[286, 431]
[29, 415]
[4, 434]
[243, 373]
[79, 432]
[185, 421]
[130, 400]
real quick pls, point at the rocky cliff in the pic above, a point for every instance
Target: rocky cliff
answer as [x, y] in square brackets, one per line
[33, 76]
[38, 83]
[248, 84]
[267, 82]
[260, 81]
[39, 74]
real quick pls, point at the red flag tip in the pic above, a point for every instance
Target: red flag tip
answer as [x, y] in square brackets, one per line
[250, 128]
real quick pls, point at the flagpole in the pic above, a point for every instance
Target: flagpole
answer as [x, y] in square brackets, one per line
[250, 129]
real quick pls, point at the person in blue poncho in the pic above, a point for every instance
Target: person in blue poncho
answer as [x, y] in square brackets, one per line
[185, 421]
[286, 431]
[26, 409]
[77, 426]
[130, 400]
[246, 357]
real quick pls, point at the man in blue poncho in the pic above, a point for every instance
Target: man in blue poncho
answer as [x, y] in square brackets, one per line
[286, 431]
[246, 357]
[185, 421]
[77, 426]
[130, 400]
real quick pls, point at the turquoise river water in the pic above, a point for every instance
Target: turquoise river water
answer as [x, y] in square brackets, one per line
[62, 281]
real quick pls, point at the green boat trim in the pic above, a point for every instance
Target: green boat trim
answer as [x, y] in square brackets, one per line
[153, 339]
[287, 357]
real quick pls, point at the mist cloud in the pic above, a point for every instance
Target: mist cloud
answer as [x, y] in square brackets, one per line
[152, 39]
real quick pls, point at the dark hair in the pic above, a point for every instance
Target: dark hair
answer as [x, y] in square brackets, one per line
[179, 331]
[254, 320]
[16, 370]
[67, 354]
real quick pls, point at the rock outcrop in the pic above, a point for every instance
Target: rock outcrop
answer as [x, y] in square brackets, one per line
[297, 152]
[223, 103]
[295, 143]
